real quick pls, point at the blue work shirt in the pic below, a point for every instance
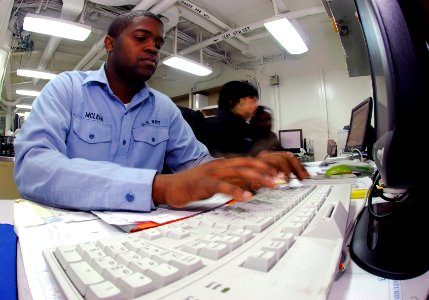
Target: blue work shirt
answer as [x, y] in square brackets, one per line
[82, 148]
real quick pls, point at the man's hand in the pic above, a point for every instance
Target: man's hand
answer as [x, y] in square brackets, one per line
[229, 176]
[232, 176]
[284, 162]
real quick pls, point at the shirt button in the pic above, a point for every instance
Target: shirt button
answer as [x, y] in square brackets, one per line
[129, 197]
[153, 139]
[124, 142]
[91, 136]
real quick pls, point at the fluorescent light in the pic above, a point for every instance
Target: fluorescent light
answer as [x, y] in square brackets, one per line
[27, 93]
[187, 65]
[286, 35]
[35, 73]
[56, 27]
[23, 106]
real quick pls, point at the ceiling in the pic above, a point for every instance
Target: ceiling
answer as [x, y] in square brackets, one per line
[214, 31]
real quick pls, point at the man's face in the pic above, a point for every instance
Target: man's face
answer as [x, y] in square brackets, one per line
[246, 107]
[134, 54]
[265, 121]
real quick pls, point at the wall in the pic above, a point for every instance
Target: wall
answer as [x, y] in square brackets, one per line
[315, 91]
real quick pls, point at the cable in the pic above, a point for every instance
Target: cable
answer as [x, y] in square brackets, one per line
[358, 152]
[375, 189]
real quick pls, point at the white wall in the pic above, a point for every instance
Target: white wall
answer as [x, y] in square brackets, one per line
[315, 91]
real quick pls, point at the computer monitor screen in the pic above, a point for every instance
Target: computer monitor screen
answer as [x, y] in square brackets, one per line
[389, 236]
[291, 140]
[359, 135]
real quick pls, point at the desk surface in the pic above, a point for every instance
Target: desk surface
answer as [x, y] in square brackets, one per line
[354, 283]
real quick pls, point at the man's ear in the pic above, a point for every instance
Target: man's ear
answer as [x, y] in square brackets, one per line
[108, 43]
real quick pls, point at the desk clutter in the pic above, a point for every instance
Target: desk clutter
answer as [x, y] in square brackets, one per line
[6, 146]
[281, 233]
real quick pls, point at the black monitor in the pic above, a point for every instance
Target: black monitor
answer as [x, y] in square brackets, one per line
[389, 239]
[291, 140]
[360, 135]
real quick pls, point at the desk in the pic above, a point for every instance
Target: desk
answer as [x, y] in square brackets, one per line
[8, 189]
[343, 288]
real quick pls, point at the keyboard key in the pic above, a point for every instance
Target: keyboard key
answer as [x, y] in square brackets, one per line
[104, 291]
[187, 264]
[136, 284]
[149, 234]
[83, 275]
[67, 255]
[99, 264]
[115, 272]
[163, 274]
[194, 247]
[214, 250]
[261, 260]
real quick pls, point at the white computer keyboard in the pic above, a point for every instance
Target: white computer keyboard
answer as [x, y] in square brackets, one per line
[284, 244]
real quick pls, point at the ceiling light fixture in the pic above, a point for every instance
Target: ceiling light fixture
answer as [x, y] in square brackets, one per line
[27, 93]
[35, 74]
[56, 27]
[187, 65]
[286, 35]
[23, 106]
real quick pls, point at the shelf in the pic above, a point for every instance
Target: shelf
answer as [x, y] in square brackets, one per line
[209, 111]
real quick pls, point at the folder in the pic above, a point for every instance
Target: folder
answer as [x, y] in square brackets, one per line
[8, 240]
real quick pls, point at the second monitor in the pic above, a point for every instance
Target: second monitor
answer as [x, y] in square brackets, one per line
[361, 134]
[291, 140]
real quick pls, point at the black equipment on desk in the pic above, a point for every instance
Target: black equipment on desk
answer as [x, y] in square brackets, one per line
[6, 146]
[389, 237]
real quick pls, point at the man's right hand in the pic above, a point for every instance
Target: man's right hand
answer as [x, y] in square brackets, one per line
[229, 176]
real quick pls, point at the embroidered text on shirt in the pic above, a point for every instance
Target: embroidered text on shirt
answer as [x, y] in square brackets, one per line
[91, 115]
[156, 122]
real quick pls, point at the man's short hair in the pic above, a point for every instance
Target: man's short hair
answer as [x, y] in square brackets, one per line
[122, 21]
[232, 91]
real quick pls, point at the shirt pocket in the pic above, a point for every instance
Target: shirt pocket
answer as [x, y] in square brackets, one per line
[92, 132]
[151, 135]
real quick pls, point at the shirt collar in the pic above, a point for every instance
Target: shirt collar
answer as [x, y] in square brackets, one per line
[97, 76]
[100, 76]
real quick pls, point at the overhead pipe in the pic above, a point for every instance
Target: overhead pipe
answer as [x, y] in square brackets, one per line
[212, 28]
[15, 102]
[208, 16]
[248, 28]
[115, 2]
[70, 11]
[94, 51]
[145, 5]
[276, 9]
[162, 6]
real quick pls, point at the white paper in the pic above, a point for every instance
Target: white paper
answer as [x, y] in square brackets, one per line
[36, 238]
[162, 214]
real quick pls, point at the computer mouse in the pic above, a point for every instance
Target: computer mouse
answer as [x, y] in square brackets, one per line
[338, 170]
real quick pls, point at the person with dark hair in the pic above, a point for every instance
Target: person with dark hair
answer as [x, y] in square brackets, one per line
[195, 119]
[229, 133]
[263, 136]
[97, 140]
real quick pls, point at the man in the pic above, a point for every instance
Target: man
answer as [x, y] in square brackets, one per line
[229, 133]
[264, 137]
[98, 140]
